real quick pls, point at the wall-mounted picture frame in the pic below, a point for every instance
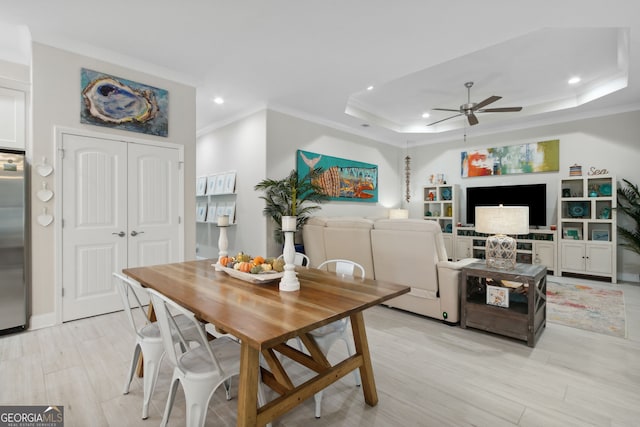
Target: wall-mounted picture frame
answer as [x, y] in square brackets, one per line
[219, 184]
[211, 213]
[229, 182]
[201, 212]
[114, 102]
[201, 186]
[572, 233]
[600, 235]
[498, 296]
[230, 210]
[211, 184]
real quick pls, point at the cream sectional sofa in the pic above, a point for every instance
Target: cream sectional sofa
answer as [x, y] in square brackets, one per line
[406, 251]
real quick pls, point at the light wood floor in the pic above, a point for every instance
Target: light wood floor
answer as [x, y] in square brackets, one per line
[427, 374]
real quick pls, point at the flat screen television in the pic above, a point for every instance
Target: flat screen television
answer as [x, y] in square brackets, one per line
[532, 195]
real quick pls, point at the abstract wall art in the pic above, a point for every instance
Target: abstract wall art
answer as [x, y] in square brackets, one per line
[341, 179]
[123, 104]
[541, 156]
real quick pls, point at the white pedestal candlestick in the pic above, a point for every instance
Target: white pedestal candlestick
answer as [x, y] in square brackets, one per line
[289, 281]
[223, 240]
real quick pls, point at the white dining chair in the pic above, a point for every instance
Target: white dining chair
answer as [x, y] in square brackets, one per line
[148, 340]
[327, 335]
[200, 370]
[299, 259]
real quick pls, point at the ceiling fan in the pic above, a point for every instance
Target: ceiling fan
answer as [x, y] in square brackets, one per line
[470, 108]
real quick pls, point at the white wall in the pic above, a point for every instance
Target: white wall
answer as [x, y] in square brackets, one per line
[286, 134]
[239, 146]
[264, 146]
[56, 102]
[610, 142]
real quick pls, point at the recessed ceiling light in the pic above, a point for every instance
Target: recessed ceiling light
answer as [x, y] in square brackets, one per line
[425, 115]
[218, 100]
[574, 80]
[370, 88]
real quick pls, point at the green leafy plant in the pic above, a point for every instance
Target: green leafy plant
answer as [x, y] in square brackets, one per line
[629, 203]
[291, 196]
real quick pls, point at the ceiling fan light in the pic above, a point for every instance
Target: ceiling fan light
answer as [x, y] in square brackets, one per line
[425, 115]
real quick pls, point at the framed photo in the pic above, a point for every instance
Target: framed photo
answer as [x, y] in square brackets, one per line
[221, 210]
[497, 295]
[230, 209]
[211, 184]
[201, 212]
[219, 184]
[211, 214]
[201, 186]
[572, 233]
[230, 182]
[600, 235]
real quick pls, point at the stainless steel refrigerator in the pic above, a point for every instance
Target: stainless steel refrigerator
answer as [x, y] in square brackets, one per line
[13, 283]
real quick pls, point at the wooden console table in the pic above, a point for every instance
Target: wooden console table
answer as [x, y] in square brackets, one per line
[523, 319]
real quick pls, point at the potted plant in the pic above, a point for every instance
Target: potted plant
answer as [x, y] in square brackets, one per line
[291, 196]
[629, 203]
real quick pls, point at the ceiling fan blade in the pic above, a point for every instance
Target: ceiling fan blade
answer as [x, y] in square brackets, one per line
[473, 120]
[500, 110]
[446, 109]
[451, 117]
[489, 100]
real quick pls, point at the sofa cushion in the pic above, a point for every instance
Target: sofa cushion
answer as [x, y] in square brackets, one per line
[349, 238]
[406, 252]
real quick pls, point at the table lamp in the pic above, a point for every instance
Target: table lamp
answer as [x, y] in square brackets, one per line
[500, 221]
[398, 214]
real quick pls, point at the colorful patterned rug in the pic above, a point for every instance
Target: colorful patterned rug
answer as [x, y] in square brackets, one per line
[587, 307]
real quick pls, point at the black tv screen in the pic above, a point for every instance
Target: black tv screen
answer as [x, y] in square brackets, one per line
[533, 195]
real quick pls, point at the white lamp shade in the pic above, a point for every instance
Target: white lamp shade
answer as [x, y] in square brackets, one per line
[398, 214]
[502, 219]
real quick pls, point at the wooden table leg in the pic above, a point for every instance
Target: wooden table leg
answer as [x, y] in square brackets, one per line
[248, 386]
[366, 370]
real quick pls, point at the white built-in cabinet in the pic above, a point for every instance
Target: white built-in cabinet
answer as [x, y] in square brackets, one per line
[537, 247]
[588, 227]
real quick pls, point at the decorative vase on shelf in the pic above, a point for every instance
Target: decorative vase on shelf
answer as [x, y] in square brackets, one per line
[289, 281]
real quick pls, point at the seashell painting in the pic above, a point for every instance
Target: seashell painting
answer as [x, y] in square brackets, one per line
[124, 104]
[341, 179]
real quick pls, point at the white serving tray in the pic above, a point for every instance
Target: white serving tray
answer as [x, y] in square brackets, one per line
[264, 277]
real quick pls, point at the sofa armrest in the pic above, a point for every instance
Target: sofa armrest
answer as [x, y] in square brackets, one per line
[449, 287]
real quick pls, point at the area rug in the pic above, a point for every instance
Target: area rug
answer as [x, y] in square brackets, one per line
[586, 307]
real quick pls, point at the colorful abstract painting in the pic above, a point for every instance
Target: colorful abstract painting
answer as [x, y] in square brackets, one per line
[114, 102]
[541, 156]
[341, 179]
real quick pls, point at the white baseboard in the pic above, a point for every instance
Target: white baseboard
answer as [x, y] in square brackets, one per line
[40, 321]
[628, 277]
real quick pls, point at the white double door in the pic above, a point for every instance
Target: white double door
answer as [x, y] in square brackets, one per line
[120, 208]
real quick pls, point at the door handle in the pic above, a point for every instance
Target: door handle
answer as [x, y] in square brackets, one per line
[135, 233]
[121, 234]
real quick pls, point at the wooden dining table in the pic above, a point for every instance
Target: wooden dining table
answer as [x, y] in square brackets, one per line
[264, 319]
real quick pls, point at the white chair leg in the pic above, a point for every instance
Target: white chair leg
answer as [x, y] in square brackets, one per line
[132, 370]
[152, 357]
[351, 351]
[197, 396]
[172, 396]
[318, 399]
[227, 388]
